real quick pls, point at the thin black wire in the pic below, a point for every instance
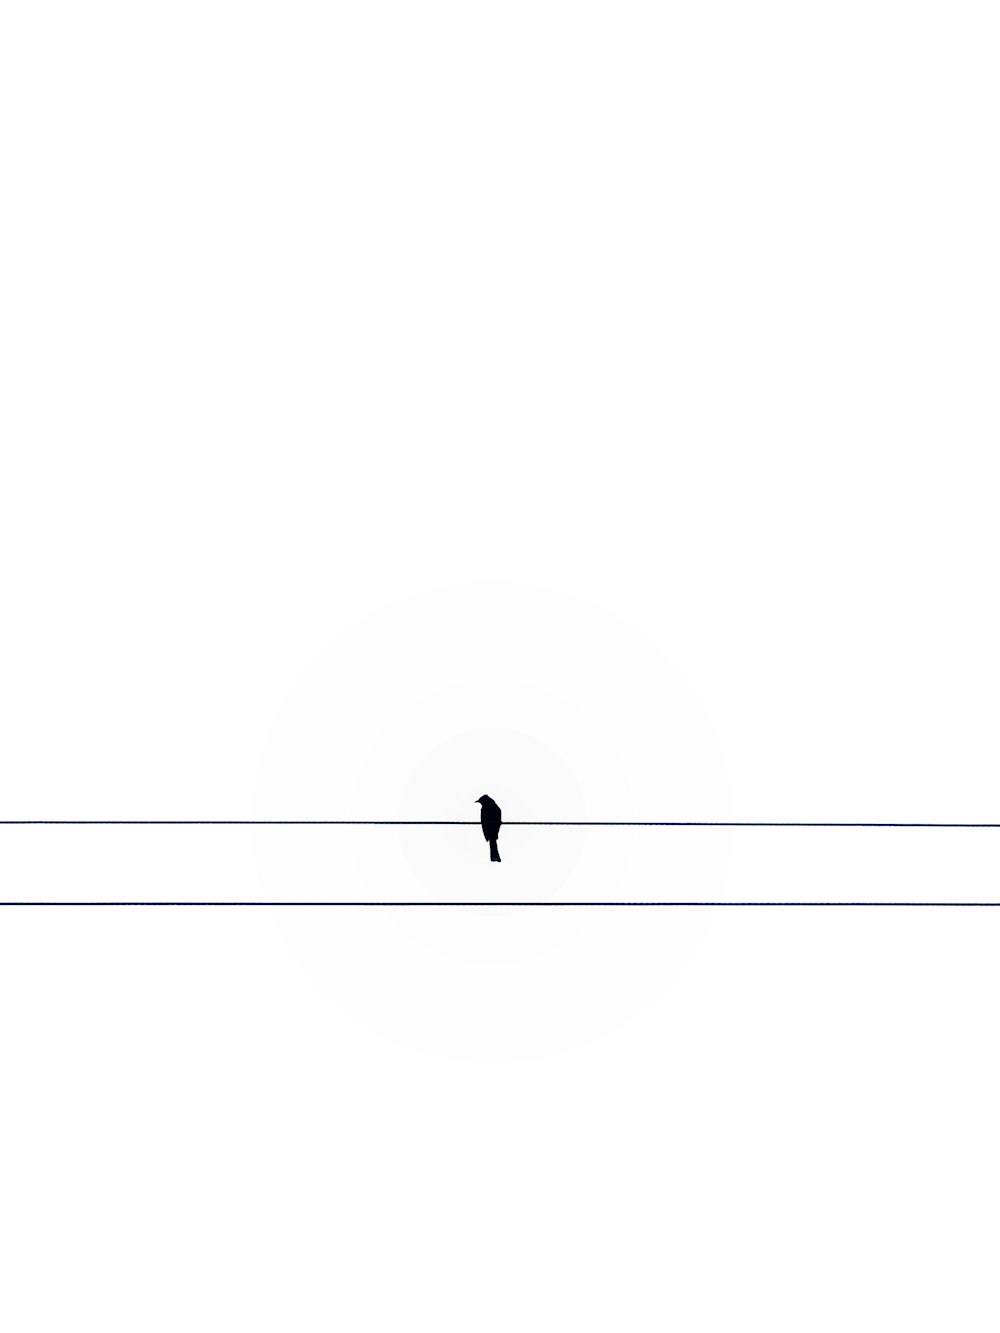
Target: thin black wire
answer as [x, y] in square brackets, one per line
[522, 823]
[508, 823]
[563, 903]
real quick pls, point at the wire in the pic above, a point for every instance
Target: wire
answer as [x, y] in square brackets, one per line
[507, 823]
[520, 823]
[564, 903]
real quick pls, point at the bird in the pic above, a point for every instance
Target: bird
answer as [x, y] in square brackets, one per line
[490, 815]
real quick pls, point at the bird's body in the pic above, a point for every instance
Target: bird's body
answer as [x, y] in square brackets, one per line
[490, 818]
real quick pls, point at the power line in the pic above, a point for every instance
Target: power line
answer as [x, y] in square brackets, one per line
[508, 823]
[521, 823]
[492, 904]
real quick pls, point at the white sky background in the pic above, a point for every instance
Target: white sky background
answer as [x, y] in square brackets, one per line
[592, 405]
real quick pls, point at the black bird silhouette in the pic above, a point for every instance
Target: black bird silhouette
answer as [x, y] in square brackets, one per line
[490, 815]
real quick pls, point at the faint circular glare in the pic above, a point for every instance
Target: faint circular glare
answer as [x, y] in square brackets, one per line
[560, 711]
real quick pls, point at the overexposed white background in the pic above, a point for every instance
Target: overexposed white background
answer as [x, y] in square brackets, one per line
[594, 405]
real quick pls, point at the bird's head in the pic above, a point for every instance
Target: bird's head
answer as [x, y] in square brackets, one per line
[481, 799]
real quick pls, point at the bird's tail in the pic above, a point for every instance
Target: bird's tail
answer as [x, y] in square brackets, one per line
[494, 851]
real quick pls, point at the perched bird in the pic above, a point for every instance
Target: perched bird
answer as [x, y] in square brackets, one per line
[490, 815]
